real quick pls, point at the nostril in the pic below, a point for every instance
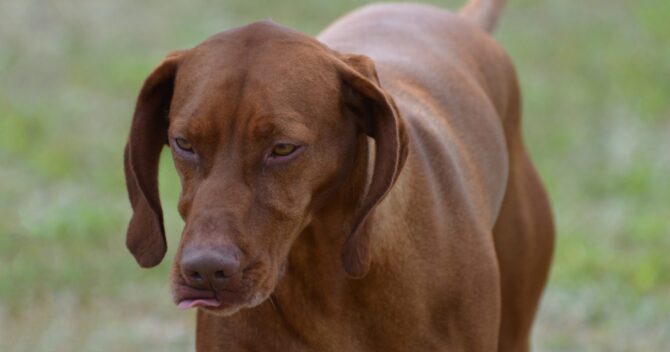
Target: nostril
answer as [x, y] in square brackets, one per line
[220, 275]
[195, 275]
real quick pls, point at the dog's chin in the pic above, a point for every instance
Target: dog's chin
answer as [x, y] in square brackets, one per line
[228, 310]
[224, 302]
[242, 293]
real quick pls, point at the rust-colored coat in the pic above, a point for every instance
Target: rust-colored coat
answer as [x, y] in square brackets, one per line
[407, 215]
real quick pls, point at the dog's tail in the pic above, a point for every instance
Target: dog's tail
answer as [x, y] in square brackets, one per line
[484, 13]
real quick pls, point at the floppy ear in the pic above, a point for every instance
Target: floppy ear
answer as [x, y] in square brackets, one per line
[376, 114]
[148, 133]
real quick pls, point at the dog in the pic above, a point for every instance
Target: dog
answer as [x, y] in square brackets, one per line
[367, 190]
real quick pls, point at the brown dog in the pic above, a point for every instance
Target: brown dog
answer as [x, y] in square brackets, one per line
[366, 191]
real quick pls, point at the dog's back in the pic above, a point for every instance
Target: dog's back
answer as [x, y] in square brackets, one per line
[440, 67]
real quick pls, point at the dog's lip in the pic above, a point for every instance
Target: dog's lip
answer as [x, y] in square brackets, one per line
[186, 297]
[234, 294]
[192, 303]
[189, 297]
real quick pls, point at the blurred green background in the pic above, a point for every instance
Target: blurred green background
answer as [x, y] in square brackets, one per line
[596, 82]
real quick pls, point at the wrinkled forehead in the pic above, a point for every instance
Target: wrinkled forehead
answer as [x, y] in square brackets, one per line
[254, 74]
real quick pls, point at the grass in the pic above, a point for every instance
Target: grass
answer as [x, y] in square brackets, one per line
[597, 120]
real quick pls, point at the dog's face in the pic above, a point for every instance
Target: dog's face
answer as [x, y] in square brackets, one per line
[263, 125]
[259, 140]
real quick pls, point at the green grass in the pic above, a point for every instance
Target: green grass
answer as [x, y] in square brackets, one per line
[596, 82]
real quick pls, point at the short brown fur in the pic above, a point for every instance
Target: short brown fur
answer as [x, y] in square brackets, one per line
[411, 219]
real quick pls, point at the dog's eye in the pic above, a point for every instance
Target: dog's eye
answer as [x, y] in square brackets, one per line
[184, 145]
[283, 149]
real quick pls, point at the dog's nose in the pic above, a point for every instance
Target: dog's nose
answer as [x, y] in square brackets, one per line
[209, 268]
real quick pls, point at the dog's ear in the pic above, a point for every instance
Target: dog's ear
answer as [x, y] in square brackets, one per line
[377, 116]
[148, 133]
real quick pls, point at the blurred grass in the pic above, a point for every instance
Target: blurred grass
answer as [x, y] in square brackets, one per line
[596, 83]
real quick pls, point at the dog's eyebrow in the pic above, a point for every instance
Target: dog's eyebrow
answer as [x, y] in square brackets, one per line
[262, 129]
[184, 125]
[177, 124]
[287, 126]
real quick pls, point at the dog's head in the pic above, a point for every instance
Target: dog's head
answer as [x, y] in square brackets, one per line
[263, 124]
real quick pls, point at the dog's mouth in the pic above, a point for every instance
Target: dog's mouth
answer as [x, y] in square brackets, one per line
[247, 290]
[193, 303]
[240, 293]
[186, 297]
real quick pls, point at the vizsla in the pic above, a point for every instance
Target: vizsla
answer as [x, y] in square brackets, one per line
[368, 190]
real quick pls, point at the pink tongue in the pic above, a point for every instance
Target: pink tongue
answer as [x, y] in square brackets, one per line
[190, 303]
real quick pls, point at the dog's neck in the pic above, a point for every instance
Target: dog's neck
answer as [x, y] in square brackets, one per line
[316, 254]
[316, 287]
